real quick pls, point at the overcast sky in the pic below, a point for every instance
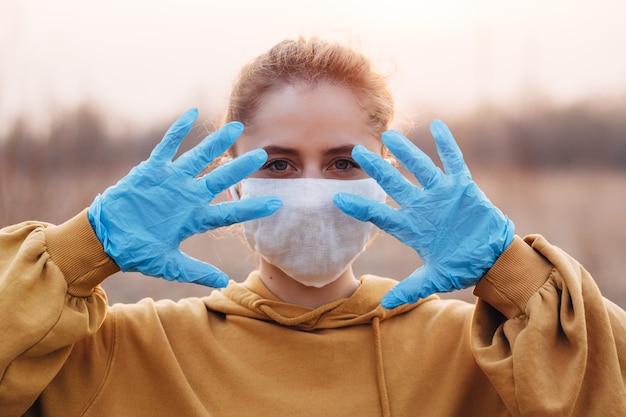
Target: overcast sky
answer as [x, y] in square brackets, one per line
[146, 61]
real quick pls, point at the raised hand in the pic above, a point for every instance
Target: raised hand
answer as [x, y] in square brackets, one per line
[455, 229]
[142, 220]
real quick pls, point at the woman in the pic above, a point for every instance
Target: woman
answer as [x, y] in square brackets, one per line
[303, 336]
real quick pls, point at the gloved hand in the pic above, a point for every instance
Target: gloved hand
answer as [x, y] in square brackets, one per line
[144, 217]
[457, 232]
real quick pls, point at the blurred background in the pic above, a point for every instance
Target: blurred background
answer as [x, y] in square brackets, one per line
[534, 91]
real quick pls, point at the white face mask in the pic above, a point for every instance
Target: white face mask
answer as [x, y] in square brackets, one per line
[309, 238]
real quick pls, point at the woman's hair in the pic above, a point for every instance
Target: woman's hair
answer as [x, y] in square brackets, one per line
[310, 62]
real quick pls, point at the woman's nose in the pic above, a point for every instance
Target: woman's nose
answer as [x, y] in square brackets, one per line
[312, 171]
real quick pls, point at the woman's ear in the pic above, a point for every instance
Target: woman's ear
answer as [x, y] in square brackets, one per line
[233, 193]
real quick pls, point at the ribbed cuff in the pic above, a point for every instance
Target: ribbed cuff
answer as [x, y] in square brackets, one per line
[515, 277]
[75, 249]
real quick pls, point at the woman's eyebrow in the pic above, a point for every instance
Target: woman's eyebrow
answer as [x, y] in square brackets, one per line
[273, 149]
[337, 150]
[340, 150]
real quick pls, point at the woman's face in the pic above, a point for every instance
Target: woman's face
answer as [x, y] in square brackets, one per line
[309, 132]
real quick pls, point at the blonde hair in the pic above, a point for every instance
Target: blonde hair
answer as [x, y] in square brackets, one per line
[311, 61]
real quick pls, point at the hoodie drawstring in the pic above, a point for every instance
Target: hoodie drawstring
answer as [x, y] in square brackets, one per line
[380, 370]
[378, 349]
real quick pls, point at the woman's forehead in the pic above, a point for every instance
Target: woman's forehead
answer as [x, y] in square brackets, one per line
[323, 116]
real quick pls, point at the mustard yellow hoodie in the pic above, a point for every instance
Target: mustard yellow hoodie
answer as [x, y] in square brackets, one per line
[540, 341]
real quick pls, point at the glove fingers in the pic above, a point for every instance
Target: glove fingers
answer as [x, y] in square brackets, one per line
[225, 214]
[187, 269]
[196, 160]
[388, 177]
[413, 158]
[449, 151]
[234, 171]
[168, 146]
[366, 210]
[419, 285]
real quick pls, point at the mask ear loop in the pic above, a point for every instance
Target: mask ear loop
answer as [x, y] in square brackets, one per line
[392, 161]
[233, 191]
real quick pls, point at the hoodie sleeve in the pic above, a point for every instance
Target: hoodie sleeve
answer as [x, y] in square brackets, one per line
[49, 299]
[546, 338]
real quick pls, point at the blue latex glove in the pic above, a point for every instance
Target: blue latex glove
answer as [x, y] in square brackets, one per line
[457, 232]
[144, 217]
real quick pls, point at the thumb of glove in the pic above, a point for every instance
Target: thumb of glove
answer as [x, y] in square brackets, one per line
[182, 267]
[422, 283]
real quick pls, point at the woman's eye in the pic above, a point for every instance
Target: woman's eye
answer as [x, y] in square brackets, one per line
[278, 165]
[343, 164]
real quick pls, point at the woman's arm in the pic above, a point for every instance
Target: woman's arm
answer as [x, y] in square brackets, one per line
[546, 338]
[49, 275]
[49, 299]
[542, 333]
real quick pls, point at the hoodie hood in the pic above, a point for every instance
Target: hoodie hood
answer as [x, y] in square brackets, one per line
[252, 299]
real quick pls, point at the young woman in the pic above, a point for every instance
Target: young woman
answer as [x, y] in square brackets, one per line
[302, 336]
